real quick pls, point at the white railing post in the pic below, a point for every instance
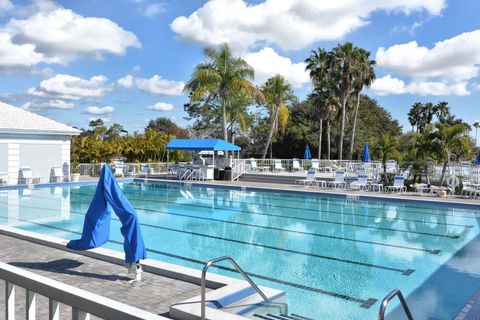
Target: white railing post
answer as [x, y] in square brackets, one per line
[80, 315]
[31, 299]
[53, 309]
[9, 301]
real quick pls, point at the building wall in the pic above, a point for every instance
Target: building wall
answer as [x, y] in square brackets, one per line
[41, 153]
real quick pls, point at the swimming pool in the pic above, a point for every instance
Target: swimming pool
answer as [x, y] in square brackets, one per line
[335, 258]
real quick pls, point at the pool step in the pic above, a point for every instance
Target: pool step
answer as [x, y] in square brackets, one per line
[270, 316]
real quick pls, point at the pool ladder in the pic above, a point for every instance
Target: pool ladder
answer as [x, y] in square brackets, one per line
[203, 282]
[386, 300]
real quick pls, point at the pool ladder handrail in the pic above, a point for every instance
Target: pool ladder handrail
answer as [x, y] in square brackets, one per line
[237, 267]
[386, 300]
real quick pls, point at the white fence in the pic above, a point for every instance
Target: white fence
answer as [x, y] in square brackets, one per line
[93, 169]
[83, 303]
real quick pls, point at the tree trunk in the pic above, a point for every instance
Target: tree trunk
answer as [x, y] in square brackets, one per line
[224, 118]
[320, 139]
[444, 169]
[270, 135]
[342, 128]
[350, 154]
[328, 139]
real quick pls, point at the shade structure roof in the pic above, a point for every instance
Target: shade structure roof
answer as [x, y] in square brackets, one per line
[201, 144]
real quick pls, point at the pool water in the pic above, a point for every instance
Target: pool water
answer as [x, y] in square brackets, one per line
[335, 258]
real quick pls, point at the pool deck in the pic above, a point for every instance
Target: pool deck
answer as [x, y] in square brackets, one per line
[154, 293]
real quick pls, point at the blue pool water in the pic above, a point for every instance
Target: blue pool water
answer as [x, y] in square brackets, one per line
[335, 258]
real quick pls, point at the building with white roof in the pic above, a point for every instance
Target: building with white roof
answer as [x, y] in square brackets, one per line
[30, 140]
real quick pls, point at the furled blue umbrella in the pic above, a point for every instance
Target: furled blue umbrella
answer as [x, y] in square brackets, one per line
[477, 160]
[366, 154]
[307, 155]
[96, 227]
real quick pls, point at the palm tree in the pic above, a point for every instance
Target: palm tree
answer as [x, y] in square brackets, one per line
[341, 70]
[445, 139]
[277, 92]
[414, 115]
[217, 78]
[442, 111]
[385, 147]
[364, 76]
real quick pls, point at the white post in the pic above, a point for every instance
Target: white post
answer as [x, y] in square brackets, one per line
[53, 309]
[31, 298]
[9, 301]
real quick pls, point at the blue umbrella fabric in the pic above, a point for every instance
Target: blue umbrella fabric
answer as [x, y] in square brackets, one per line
[307, 155]
[366, 154]
[477, 160]
[96, 227]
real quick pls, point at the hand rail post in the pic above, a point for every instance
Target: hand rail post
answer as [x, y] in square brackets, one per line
[203, 282]
[386, 300]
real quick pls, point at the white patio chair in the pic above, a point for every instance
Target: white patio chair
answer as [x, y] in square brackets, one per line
[119, 170]
[296, 165]
[25, 175]
[278, 165]
[339, 180]
[398, 184]
[3, 178]
[391, 166]
[144, 169]
[360, 183]
[256, 168]
[315, 164]
[56, 174]
[310, 180]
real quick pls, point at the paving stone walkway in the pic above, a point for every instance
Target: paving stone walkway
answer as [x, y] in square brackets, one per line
[154, 293]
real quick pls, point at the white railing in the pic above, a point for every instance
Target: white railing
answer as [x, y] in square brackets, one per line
[323, 165]
[83, 303]
[93, 169]
[239, 167]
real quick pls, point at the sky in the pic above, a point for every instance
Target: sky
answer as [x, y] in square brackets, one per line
[126, 61]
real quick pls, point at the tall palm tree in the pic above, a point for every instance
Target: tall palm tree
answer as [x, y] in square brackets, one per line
[386, 148]
[442, 111]
[364, 76]
[414, 115]
[341, 70]
[445, 139]
[218, 77]
[277, 92]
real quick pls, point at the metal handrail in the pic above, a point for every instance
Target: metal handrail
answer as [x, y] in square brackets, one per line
[237, 267]
[386, 300]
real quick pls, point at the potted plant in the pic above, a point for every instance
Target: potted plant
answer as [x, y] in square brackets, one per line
[75, 174]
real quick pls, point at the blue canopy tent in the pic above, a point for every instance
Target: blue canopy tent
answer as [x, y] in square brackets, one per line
[213, 145]
[307, 155]
[366, 154]
[96, 227]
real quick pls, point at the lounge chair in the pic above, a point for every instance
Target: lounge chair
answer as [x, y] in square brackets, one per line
[278, 165]
[296, 165]
[339, 180]
[398, 184]
[144, 169]
[56, 174]
[469, 189]
[119, 170]
[25, 175]
[3, 178]
[391, 166]
[255, 168]
[360, 183]
[310, 180]
[315, 164]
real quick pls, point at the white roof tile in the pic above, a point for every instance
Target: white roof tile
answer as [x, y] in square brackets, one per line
[17, 120]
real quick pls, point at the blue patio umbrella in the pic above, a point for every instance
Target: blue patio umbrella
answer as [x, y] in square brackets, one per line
[307, 155]
[477, 160]
[96, 227]
[366, 154]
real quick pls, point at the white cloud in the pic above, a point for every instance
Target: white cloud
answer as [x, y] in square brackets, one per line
[49, 104]
[155, 85]
[457, 58]
[390, 85]
[64, 86]
[268, 63]
[99, 110]
[5, 6]
[151, 10]
[161, 106]
[292, 24]
[57, 35]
